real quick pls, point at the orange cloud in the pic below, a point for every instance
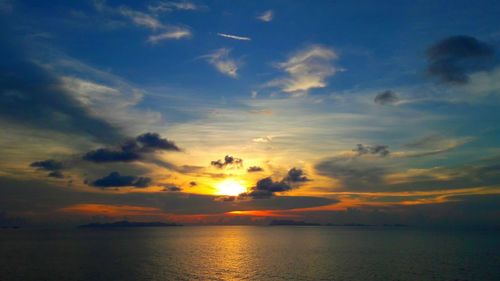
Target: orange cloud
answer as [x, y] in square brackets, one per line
[259, 213]
[111, 210]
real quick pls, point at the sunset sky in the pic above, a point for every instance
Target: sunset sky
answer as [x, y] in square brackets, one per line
[238, 112]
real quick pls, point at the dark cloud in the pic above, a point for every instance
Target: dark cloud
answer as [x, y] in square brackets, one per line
[153, 141]
[173, 189]
[453, 58]
[266, 188]
[131, 150]
[8, 221]
[386, 97]
[254, 169]
[33, 96]
[267, 184]
[192, 183]
[56, 174]
[295, 175]
[225, 198]
[257, 194]
[102, 155]
[228, 161]
[355, 173]
[49, 165]
[46, 198]
[114, 179]
[391, 174]
[142, 182]
[426, 142]
[380, 150]
[186, 169]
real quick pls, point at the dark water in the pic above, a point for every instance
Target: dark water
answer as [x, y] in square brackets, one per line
[249, 253]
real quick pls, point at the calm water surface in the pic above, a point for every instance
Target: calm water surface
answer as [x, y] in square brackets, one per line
[249, 253]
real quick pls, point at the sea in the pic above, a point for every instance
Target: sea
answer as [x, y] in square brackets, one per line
[249, 253]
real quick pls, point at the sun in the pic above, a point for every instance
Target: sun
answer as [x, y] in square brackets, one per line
[230, 187]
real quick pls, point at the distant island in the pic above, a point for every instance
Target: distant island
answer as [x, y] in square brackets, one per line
[291, 222]
[350, 224]
[365, 225]
[128, 224]
[303, 223]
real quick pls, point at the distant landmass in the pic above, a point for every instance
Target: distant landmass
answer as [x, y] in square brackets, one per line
[290, 222]
[128, 224]
[303, 223]
[361, 224]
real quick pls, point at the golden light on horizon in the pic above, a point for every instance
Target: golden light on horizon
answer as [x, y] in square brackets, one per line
[230, 187]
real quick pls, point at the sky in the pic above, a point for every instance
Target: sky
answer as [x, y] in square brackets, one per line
[240, 112]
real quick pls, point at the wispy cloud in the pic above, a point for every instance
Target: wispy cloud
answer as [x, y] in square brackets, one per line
[141, 19]
[150, 20]
[177, 33]
[235, 37]
[307, 69]
[223, 63]
[166, 6]
[266, 16]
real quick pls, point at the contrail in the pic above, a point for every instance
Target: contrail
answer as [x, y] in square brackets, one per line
[235, 37]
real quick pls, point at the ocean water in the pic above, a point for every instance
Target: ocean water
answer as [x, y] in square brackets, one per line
[249, 253]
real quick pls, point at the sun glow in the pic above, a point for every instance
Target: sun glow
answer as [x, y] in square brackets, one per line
[230, 187]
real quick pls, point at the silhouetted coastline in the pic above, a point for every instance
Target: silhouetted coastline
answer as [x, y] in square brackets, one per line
[291, 222]
[128, 224]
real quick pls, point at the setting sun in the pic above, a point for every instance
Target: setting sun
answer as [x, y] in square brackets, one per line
[230, 187]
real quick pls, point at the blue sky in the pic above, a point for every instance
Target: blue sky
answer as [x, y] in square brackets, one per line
[367, 101]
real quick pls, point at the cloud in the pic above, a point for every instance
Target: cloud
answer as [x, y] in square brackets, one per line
[151, 21]
[386, 97]
[235, 37]
[223, 63]
[452, 59]
[389, 174]
[46, 197]
[355, 173]
[140, 18]
[8, 221]
[263, 111]
[266, 188]
[167, 6]
[366, 168]
[295, 175]
[103, 155]
[32, 95]
[102, 94]
[254, 169]
[153, 141]
[228, 161]
[173, 189]
[114, 179]
[175, 33]
[380, 150]
[432, 145]
[225, 198]
[131, 150]
[48, 165]
[56, 174]
[307, 69]
[266, 16]
[265, 139]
